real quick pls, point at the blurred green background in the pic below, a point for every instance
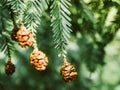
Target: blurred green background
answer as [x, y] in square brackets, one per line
[94, 49]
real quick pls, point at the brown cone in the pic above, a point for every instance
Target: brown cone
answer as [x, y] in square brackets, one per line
[9, 68]
[38, 59]
[24, 37]
[14, 33]
[68, 72]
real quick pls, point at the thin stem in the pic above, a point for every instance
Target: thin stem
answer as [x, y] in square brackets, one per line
[65, 60]
[9, 59]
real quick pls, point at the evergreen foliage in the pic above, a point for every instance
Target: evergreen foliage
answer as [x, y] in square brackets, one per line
[30, 12]
[88, 30]
[60, 15]
[34, 11]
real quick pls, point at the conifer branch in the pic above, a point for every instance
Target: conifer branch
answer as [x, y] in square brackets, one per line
[18, 7]
[12, 18]
[5, 40]
[8, 48]
[33, 13]
[60, 19]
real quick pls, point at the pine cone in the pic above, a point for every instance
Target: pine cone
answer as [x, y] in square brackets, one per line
[68, 72]
[9, 68]
[24, 37]
[38, 59]
[14, 33]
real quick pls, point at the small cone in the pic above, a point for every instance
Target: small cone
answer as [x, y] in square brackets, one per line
[68, 71]
[24, 37]
[38, 59]
[14, 33]
[9, 68]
